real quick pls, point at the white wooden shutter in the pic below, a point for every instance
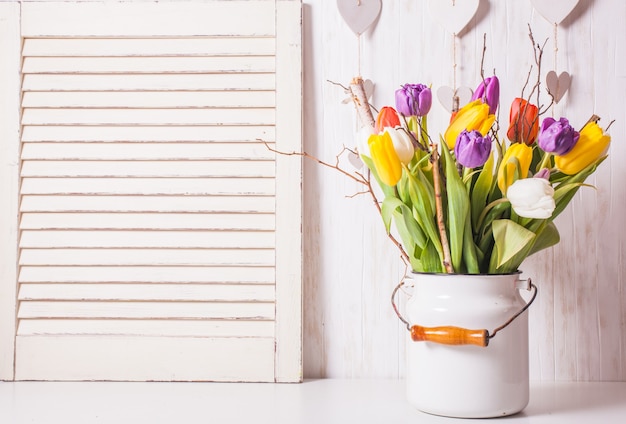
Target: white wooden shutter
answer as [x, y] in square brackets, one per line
[158, 238]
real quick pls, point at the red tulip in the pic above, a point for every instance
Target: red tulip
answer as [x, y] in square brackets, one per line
[524, 122]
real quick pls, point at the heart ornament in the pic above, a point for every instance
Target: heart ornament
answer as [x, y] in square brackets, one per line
[453, 15]
[558, 84]
[359, 14]
[554, 10]
[445, 95]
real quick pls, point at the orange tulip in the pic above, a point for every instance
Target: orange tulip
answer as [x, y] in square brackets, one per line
[387, 117]
[523, 122]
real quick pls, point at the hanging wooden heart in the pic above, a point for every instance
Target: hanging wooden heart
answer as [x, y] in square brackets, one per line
[554, 10]
[558, 84]
[359, 14]
[446, 94]
[453, 15]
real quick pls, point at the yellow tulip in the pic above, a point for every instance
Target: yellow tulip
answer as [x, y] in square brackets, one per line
[590, 146]
[506, 172]
[473, 116]
[385, 158]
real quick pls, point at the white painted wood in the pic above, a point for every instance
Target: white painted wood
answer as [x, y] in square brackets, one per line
[148, 99]
[238, 117]
[188, 169]
[148, 133]
[329, 401]
[150, 186]
[578, 325]
[289, 240]
[139, 221]
[125, 358]
[169, 327]
[145, 310]
[173, 292]
[146, 151]
[153, 275]
[149, 47]
[195, 204]
[146, 65]
[148, 257]
[349, 267]
[146, 197]
[9, 154]
[168, 18]
[115, 82]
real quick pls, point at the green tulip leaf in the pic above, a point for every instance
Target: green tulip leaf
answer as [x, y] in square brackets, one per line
[387, 190]
[481, 190]
[470, 257]
[511, 239]
[407, 227]
[430, 261]
[546, 238]
[458, 208]
[424, 211]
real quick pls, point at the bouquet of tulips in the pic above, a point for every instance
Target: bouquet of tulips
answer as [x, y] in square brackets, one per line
[469, 201]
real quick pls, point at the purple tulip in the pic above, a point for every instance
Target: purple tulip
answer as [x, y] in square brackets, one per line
[472, 149]
[543, 173]
[557, 137]
[489, 92]
[413, 100]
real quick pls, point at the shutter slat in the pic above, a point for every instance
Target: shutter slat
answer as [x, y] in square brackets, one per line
[131, 168]
[192, 204]
[146, 221]
[133, 65]
[150, 82]
[161, 327]
[153, 275]
[149, 239]
[235, 117]
[114, 47]
[148, 292]
[147, 151]
[182, 134]
[147, 257]
[147, 310]
[149, 99]
[150, 186]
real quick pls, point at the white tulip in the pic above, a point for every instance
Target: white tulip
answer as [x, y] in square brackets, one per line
[402, 144]
[532, 198]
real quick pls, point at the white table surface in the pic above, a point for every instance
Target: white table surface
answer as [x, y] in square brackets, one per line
[314, 401]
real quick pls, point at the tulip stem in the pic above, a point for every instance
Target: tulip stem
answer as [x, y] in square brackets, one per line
[447, 260]
[545, 162]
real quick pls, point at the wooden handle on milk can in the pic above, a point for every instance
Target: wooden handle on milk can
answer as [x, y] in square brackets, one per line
[450, 335]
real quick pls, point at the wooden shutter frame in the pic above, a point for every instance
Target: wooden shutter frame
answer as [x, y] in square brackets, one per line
[288, 355]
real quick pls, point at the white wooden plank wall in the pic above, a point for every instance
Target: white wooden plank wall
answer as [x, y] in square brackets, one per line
[578, 326]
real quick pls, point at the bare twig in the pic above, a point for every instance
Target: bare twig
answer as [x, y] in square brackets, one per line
[356, 176]
[482, 60]
[447, 261]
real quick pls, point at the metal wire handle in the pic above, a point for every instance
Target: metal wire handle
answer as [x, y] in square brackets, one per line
[456, 335]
